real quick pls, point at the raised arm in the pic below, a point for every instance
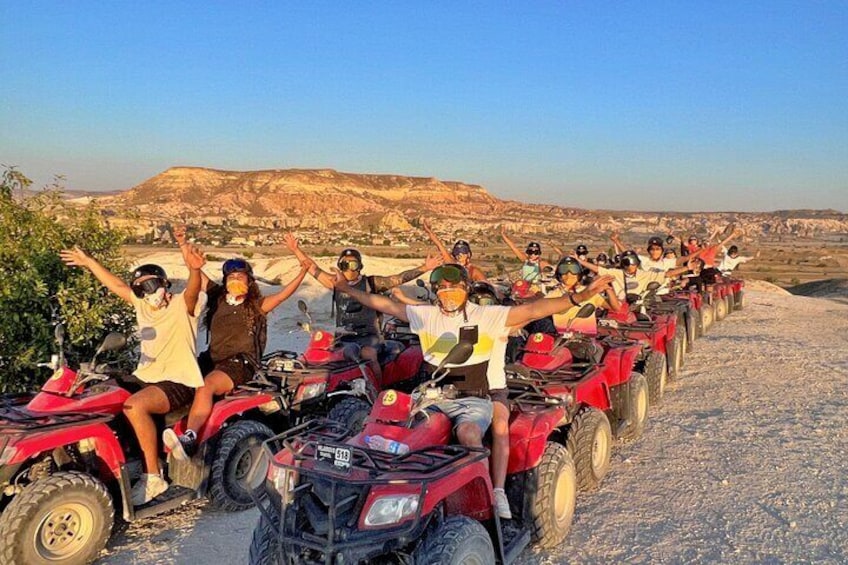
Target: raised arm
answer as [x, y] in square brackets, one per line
[525, 313]
[312, 267]
[585, 264]
[616, 242]
[273, 300]
[194, 260]
[76, 257]
[735, 233]
[377, 302]
[511, 245]
[437, 242]
[382, 284]
[179, 233]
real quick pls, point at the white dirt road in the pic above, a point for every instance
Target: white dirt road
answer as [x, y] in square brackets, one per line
[745, 461]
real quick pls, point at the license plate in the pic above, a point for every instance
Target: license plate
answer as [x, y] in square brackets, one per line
[338, 457]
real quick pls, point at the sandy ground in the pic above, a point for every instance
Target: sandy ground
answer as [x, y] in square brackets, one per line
[744, 461]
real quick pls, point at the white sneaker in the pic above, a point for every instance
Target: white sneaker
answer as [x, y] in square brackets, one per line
[502, 504]
[147, 488]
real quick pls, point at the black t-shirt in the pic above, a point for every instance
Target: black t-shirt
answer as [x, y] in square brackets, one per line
[231, 332]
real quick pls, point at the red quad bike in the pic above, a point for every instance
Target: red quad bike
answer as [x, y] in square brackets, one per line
[331, 379]
[720, 292]
[656, 334]
[604, 394]
[334, 500]
[680, 307]
[68, 457]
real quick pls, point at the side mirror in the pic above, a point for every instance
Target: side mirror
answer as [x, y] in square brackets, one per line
[585, 311]
[59, 334]
[419, 282]
[112, 342]
[301, 305]
[653, 285]
[459, 353]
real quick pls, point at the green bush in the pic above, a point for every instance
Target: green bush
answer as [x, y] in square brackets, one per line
[34, 283]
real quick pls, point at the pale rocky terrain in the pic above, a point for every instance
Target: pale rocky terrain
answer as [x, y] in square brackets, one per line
[743, 463]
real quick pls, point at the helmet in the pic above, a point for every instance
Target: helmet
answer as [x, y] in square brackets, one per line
[350, 265]
[629, 258]
[451, 272]
[237, 266]
[581, 250]
[533, 248]
[732, 250]
[461, 247]
[154, 277]
[568, 265]
[602, 259]
[616, 260]
[655, 242]
[483, 293]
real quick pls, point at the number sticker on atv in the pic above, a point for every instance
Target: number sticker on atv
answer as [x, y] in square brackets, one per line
[288, 365]
[339, 457]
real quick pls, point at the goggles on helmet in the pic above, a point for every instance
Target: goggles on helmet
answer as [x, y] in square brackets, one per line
[147, 286]
[349, 265]
[447, 273]
[572, 268]
[236, 266]
[461, 249]
[483, 299]
[629, 261]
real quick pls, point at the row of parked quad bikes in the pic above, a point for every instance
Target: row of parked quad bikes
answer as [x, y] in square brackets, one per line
[293, 442]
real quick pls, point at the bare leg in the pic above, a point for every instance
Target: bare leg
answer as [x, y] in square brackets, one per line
[500, 444]
[216, 382]
[469, 434]
[370, 354]
[138, 409]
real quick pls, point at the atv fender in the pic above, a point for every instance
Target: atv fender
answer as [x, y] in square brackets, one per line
[225, 410]
[99, 437]
[529, 433]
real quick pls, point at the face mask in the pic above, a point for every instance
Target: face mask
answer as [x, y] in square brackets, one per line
[452, 299]
[236, 287]
[155, 299]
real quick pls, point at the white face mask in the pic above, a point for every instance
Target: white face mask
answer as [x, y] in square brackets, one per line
[234, 300]
[156, 299]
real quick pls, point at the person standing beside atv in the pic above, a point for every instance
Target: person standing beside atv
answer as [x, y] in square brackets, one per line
[350, 315]
[461, 254]
[167, 328]
[237, 326]
[531, 268]
[482, 378]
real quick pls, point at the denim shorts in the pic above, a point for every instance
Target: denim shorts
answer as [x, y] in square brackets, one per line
[469, 409]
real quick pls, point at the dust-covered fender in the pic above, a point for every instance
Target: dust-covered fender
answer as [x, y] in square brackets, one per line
[100, 436]
[529, 432]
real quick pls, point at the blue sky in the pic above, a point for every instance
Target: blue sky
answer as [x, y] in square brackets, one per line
[620, 105]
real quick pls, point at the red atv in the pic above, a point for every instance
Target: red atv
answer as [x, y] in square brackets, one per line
[68, 457]
[606, 395]
[333, 499]
[331, 379]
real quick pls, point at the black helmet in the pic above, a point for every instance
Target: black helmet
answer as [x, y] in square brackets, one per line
[450, 272]
[237, 265]
[533, 248]
[581, 250]
[345, 265]
[461, 247]
[482, 292]
[616, 260]
[602, 259]
[655, 242]
[154, 277]
[568, 265]
[629, 258]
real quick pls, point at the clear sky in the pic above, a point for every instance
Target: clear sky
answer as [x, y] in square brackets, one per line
[668, 105]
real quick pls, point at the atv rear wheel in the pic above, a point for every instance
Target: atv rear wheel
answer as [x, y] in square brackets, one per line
[707, 317]
[675, 354]
[731, 303]
[265, 544]
[739, 300]
[65, 518]
[589, 442]
[656, 373]
[351, 412]
[553, 496]
[240, 445]
[692, 322]
[630, 404]
[457, 540]
[720, 309]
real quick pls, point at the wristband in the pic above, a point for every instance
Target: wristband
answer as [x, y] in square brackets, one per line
[571, 298]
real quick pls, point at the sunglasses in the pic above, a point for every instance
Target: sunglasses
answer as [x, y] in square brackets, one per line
[533, 253]
[349, 265]
[461, 251]
[148, 286]
[446, 273]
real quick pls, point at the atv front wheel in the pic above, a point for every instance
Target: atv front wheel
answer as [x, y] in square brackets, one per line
[675, 354]
[656, 373]
[707, 317]
[553, 496]
[64, 518]
[630, 405]
[240, 445]
[590, 444]
[351, 412]
[739, 300]
[692, 322]
[457, 540]
[731, 303]
[720, 309]
[265, 544]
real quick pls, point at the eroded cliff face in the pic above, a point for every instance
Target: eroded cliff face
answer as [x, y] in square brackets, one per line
[324, 198]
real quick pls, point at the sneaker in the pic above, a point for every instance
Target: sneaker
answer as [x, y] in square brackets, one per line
[502, 504]
[147, 488]
[183, 446]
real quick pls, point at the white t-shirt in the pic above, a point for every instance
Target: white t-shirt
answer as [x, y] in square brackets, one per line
[637, 284]
[439, 332]
[168, 338]
[661, 265]
[729, 263]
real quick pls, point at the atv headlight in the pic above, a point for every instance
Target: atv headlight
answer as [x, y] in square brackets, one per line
[391, 509]
[307, 391]
[7, 454]
[282, 479]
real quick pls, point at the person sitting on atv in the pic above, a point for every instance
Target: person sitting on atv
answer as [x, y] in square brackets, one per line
[461, 253]
[655, 261]
[709, 253]
[167, 369]
[350, 315]
[732, 259]
[531, 269]
[631, 278]
[568, 274]
[237, 326]
[482, 377]
[603, 260]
